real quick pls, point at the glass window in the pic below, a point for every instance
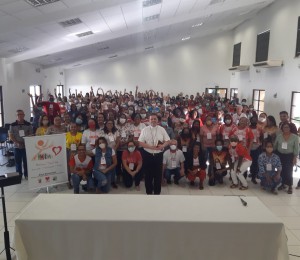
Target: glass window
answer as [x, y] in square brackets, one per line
[217, 92]
[60, 90]
[34, 90]
[1, 109]
[295, 108]
[233, 93]
[259, 100]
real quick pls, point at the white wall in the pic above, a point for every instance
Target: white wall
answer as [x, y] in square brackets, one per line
[190, 67]
[282, 19]
[15, 79]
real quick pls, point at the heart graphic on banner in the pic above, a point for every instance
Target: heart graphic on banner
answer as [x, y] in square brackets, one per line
[47, 178]
[56, 150]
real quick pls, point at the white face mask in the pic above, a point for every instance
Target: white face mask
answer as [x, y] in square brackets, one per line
[122, 120]
[130, 112]
[227, 121]
[262, 119]
[143, 116]
[173, 147]
[102, 145]
[233, 144]
[131, 149]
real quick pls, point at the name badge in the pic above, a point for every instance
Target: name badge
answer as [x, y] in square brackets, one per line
[21, 133]
[208, 135]
[111, 138]
[92, 140]
[136, 133]
[254, 140]
[73, 147]
[131, 166]
[200, 111]
[240, 137]
[233, 159]
[265, 135]
[123, 135]
[92, 116]
[226, 137]
[269, 167]
[184, 149]
[51, 106]
[198, 139]
[284, 146]
[218, 166]
[173, 163]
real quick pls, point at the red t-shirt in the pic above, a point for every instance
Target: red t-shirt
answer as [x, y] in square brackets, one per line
[240, 150]
[134, 157]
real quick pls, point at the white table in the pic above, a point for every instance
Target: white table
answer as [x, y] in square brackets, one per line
[117, 227]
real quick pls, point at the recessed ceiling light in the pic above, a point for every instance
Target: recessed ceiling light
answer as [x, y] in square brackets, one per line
[186, 38]
[70, 22]
[148, 3]
[37, 3]
[84, 34]
[197, 25]
[114, 56]
[149, 48]
[151, 18]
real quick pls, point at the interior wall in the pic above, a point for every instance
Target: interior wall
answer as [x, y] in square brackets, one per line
[282, 19]
[190, 67]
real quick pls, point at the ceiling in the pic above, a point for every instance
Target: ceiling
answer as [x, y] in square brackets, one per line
[37, 35]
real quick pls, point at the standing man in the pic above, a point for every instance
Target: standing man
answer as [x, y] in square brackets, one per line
[153, 139]
[284, 118]
[18, 130]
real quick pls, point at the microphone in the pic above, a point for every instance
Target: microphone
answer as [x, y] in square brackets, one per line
[243, 201]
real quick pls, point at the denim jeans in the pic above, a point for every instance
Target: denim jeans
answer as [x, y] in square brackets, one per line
[20, 156]
[170, 172]
[103, 180]
[76, 179]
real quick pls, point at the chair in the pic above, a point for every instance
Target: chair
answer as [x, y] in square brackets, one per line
[3, 142]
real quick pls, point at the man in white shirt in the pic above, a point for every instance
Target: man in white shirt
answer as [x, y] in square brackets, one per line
[153, 139]
[173, 163]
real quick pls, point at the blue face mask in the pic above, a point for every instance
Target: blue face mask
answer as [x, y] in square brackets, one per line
[219, 148]
[214, 120]
[78, 121]
[164, 123]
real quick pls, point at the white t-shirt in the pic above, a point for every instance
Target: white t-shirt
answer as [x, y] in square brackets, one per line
[173, 160]
[89, 138]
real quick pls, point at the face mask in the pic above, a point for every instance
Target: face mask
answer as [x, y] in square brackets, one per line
[219, 148]
[164, 123]
[102, 145]
[228, 121]
[85, 105]
[40, 108]
[233, 144]
[143, 116]
[45, 122]
[269, 149]
[131, 149]
[243, 103]
[122, 120]
[173, 147]
[262, 119]
[130, 103]
[185, 112]
[130, 112]
[78, 121]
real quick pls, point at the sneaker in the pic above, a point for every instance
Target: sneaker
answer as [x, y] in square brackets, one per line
[281, 187]
[138, 188]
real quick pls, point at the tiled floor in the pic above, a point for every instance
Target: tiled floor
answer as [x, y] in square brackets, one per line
[286, 207]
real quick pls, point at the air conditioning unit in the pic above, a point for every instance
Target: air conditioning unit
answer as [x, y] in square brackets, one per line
[269, 63]
[240, 68]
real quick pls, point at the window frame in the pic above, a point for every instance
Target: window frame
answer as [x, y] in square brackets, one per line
[216, 91]
[2, 124]
[258, 100]
[232, 92]
[62, 90]
[292, 118]
[298, 39]
[34, 93]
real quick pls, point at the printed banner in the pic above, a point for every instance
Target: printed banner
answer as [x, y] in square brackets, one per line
[46, 160]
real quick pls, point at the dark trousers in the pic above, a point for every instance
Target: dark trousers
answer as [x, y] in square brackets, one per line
[20, 156]
[287, 168]
[119, 169]
[254, 166]
[128, 179]
[153, 172]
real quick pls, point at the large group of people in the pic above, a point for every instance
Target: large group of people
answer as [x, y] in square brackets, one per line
[114, 138]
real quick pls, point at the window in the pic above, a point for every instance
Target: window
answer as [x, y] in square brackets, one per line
[60, 90]
[262, 46]
[259, 100]
[217, 92]
[1, 109]
[298, 39]
[236, 54]
[295, 108]
[34, 90]
[233, 93]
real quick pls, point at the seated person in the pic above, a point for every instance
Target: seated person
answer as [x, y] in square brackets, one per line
[268, 162]
[219, 157]
[173, 163]
[105, 164]
[132, 163]
[81, 166]
[196, 165]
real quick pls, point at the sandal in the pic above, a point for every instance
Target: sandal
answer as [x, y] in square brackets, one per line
[243, 188]
[281, 187]
[233, 186]
[290, 190]
[274, 192]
